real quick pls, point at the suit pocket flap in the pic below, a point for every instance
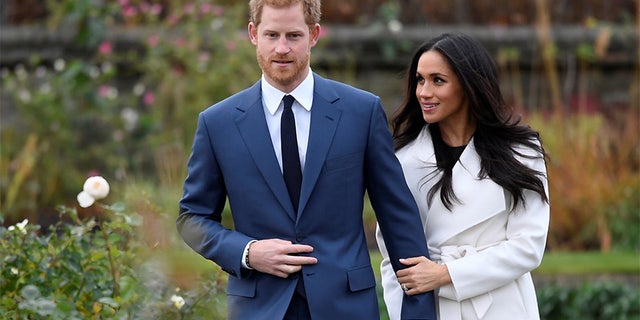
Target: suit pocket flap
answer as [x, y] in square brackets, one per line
[361, 278]
[243, 288]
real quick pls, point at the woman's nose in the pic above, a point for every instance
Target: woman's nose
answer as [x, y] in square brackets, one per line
[425, 91]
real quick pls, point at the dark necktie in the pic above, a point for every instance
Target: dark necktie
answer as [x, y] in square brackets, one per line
[290, 158]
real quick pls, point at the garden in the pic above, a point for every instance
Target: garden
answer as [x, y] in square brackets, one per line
[97, 117]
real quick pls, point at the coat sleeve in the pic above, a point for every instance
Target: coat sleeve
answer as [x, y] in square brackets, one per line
[204, 195]
[392, 293]
[396, 211]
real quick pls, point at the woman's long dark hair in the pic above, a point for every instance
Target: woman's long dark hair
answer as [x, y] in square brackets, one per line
[498, 132]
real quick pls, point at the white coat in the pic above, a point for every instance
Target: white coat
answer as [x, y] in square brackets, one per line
[489, 250]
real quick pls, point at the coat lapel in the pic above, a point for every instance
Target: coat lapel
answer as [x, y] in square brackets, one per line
[325, 117]
[480, 198]
[252, 126]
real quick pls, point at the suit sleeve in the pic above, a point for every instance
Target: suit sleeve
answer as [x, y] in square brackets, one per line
[396, 211]
[201, 206]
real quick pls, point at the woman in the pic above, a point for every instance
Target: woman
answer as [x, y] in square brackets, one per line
[480, 181]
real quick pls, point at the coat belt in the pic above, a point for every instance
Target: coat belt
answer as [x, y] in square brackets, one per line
[450, 308]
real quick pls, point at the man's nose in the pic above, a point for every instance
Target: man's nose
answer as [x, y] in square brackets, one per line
[282, 46]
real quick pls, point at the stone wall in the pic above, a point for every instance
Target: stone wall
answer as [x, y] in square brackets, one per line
[374, 57]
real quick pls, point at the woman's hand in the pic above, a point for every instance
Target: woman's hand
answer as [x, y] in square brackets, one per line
[422, 275]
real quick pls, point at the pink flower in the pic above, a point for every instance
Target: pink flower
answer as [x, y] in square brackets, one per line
[123, 2]
[148, 98]
[218, 10]
[105, 48]
[206, 8]
[323, 32]
[156, 9]
[108, 92]
[104, 90]
[203, 57]
[180, 42]
[144, 7]
[153, 40]
[172, 19]
[189, 8]
[129, 11]
[231, 45]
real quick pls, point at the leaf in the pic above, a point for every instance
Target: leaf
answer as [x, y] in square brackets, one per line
[110, 302]
[97, 307]
[30, 292]
[117, 207]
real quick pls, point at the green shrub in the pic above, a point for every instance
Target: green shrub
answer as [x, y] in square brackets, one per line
[117, 111]
[590, 301]
[72, 270]
[88, 269]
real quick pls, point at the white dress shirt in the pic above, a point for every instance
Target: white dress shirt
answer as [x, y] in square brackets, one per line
[273, 106]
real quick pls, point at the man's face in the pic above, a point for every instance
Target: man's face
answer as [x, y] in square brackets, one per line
[283, 45]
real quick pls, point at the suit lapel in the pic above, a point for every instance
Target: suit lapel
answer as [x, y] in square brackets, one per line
[325, 117]
[252, 126]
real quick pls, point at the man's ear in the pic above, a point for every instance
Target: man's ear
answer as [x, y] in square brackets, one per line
[314, 35]
[252, 29]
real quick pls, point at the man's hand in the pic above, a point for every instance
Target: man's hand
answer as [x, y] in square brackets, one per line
[279, 257]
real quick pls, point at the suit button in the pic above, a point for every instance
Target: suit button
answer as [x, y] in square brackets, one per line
[299, 238]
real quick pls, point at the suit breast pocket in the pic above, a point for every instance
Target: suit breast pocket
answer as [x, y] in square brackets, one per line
[344, 162]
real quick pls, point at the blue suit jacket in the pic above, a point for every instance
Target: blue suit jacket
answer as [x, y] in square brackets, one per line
[350, 151]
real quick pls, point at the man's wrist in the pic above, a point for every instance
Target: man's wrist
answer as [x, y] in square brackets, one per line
[245, 259]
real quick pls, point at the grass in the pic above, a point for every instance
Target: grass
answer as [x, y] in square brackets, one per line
[553, 263]
[573, 263]
[590, 263]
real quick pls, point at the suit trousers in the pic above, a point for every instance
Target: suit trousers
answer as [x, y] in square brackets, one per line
[298, 307]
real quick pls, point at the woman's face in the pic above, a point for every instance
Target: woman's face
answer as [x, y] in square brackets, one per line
[439, 91]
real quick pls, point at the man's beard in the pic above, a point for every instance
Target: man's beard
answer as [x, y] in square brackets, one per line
[287, 77]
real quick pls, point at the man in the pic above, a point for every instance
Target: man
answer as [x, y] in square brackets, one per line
[298, 248]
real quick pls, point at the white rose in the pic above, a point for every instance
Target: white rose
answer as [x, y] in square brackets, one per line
[85, 200]
[177, 300]
[21, 226]
[97, 187]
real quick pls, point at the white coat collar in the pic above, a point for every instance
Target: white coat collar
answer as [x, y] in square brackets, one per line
[480, 199]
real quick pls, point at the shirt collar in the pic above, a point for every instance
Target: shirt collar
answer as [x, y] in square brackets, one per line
[303, 93]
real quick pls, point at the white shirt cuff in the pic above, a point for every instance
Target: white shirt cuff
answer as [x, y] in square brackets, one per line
[244, 255]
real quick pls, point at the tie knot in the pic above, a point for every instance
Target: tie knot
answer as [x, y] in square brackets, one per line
[288, 101]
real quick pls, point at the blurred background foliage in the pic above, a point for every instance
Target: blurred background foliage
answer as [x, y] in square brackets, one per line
[127, 110]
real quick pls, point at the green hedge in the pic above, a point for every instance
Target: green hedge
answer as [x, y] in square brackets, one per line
[100, 269]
